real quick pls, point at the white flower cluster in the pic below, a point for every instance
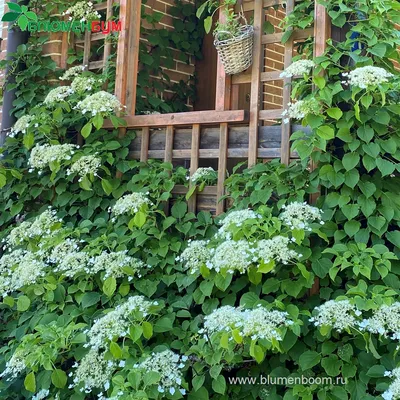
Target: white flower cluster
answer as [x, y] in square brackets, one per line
[99, 103]
[82, 84]
[367, 76]
[45, 225]
[14, 366]
[43, 155]
[116, 264]
[82, 11]
[85, 165]
[258, 323]
[276, 249]
[68, 259]
[236, 219]
[94, 371]
[42, 394]
[21, 125]
[18, 269]
[339, 315]
[72, 72]
[204, 175]
[298, 68]
[301, 109]
[116, 323]
[385, 321]
[168, 365]
[393, 391]
[231, 256]
[195, 255]
[58, 94]
[130, 203]
[298, 215]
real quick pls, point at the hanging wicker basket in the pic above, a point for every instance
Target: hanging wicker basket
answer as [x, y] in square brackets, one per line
[236, 53]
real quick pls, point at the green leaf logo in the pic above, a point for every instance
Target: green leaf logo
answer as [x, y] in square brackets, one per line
[20, 14]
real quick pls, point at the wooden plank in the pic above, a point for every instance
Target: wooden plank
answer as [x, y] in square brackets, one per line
[264, 77]
[249, 5]
[107, 45]
[287, 89]
[144, 151]
[255, 96]
[224, 82]
[235, 97]
[64, 50]
[169, 144]
[187, 118]
[194, 162]
[297, 34]
[271, 114]
[87, 47]
[222, 165]
[95, 65]
[100, 6]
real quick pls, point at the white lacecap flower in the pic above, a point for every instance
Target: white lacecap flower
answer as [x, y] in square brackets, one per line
[276, 249]
[364, 77]
[72, 72]
[298, 215]
[22, 125]
[195, 255]
[14, 366]
[393, 391]
[85, 165]
[301, 109]
[42, 155]
[130, 203]
[168, 364]
[99, 103]
[83, 11]
[58, 94]
[42, 394]
[83, 84]
[298, 68]
[235, 219]
[204, 175]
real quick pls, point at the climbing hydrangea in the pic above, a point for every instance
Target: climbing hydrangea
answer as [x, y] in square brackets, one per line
[225, 318]
[43, 155]
[301, 109]
[116, 323]
[21, 125]
[236, 219]
[393, 391]
[83, 84]
[42, 394]
[85, 165]
[231, 256]
[364, 77]
[130, 203]
[204, 175]
[298, 215]
[82, 11]
[385, 321]
[300, 67]
[276, 249]
[72, 72]
[339, 315]
[99, 103]
[195, 255]
[14, 366]
[58, 94]
[168, 365]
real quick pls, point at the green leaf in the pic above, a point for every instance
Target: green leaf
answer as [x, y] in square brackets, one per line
[3, 180]
[147, 329]
[115, 350]
[28, 140]
[376, 371]
[30, 382]
[86, 130]
[90, 299]
[319, 81]
[219, 385]
[386, 167]
[335, 112]
[331, 365]
[350, 160]
[258, 353]
[59, 378]
[140, 219]
[98, 121]
[23, 303]
[208, 24]
[107, 186]
[351, 210]
[109, 286]
[309, 359]
[224, 341]
[179, 209]
[394, 238]
[198, 382]
[326, 132]
[378, 50]
[201, 394]
[352, 227]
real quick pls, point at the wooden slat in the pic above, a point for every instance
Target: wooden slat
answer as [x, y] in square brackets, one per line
[194, 162]
[249, 5]
[222, 165]
[297, 34]
[287, 89]
[270, 114]
[100, 6]
[188, 118]
[255, 96]
[224, 82]
[95, 65]
[169, 144]
[87, 47]
[144, 150]
[107, 45]
[208, 190]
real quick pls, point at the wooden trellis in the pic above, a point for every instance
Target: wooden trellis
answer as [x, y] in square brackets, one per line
[223, 133]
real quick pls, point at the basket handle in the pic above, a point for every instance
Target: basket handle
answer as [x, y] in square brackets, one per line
[240, 16]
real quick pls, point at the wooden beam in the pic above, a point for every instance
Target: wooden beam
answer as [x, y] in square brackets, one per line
[224, 82]
[144, 146]
[255, 96]
[187, 118]
[297, 34]
[222, 165]
[169, 144]
[87, 48]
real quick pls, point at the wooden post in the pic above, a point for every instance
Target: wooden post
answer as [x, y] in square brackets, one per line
[194, 163]
[255, 96]
[107, 45]
[322, 32]
[144, 148]
[169, 144]
[222, 164]
[286, 128]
